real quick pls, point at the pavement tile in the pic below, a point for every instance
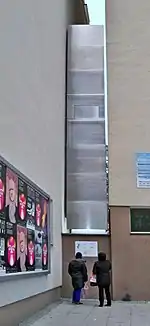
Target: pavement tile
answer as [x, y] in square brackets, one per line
[66, 314]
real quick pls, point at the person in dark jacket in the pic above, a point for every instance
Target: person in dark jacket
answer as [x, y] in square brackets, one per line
[78, 272]
[102, 269]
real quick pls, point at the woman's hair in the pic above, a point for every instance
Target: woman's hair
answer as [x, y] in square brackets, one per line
[101, 256]
[78, 255]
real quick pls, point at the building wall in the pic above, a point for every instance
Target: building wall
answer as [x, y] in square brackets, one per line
[32, 106]
[128, 53]
[130, 258]
[68, 246]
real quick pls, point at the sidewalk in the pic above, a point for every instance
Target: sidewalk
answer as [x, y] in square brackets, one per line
[66, 314]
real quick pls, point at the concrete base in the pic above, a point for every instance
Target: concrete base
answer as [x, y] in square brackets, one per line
[13, 314]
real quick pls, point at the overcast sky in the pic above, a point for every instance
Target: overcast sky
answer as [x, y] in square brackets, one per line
[96, 11]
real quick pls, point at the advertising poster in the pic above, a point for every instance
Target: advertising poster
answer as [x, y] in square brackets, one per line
[10, 248]
[30, 250]
[30, 208]
[2, 190]
[38, 249]
[11, 196]
[24, 214]
[2, 236]
[2, 247]
[38, 210]
[22, 202]
[2, 216]
[44, 253]
[21, 249]
[2, 256]
[44, 206]
[2, 227]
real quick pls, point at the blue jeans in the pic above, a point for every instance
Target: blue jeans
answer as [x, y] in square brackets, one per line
[76, 296]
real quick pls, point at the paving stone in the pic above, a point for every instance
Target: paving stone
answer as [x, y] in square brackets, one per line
[66, 314]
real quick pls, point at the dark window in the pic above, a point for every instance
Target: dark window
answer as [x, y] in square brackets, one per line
[140, 220]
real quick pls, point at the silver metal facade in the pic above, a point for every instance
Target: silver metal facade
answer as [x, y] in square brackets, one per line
[86, 153]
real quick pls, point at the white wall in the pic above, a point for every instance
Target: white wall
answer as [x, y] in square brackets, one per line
[32, 103]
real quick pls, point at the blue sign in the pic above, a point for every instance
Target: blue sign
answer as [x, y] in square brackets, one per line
[143, 170]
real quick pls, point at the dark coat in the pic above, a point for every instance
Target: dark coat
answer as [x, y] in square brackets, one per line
[78, 272]
[102, 271]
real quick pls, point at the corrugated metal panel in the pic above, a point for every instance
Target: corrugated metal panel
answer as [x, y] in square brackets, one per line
[86, 132]
[87, 215]
[80, 36]
[88, 105]
[85, 82]
[86, 153]
[86, 58]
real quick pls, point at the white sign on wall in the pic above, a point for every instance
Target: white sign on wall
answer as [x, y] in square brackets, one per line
[87, 248]
[143, 170]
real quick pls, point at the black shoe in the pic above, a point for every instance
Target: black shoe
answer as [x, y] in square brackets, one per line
[108, 305]
[101, 306]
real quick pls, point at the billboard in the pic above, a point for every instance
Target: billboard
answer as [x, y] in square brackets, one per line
[24, 224]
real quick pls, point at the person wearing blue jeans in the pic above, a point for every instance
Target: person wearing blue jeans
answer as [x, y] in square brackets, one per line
[78, 272]
[76, 296]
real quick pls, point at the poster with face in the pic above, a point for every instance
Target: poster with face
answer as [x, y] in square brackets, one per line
[31, 250]
[30, 208]
[21, 249]
[22, 202]
[10, 248]
[44, 206]
[44, 253]
[11, 196]
[38, 210]
[38, 250]
[2, 190]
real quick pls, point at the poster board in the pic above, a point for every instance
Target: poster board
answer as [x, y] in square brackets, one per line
[87, 248]
[24, 224]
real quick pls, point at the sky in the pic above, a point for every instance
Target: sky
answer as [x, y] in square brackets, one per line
[96, 11]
